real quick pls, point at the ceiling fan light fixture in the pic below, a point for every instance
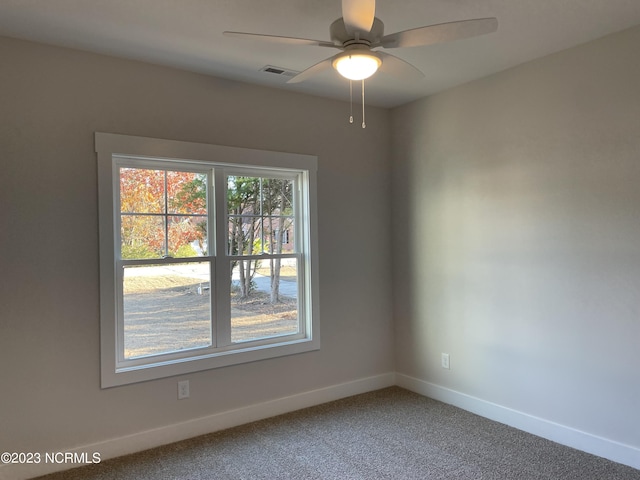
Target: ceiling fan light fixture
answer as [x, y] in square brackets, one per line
[357, 66]
[359, 31]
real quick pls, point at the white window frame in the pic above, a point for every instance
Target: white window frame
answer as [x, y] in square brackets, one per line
[114, 151]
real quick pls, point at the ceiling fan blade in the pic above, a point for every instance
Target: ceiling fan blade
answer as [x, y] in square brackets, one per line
[311, 71]
[278, 39]
[399, 67]
[443, 32]
[358, 15]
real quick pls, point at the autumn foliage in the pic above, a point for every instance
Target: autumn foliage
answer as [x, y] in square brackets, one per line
[162, 212]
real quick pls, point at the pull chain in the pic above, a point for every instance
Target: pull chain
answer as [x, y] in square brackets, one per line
[364, 125]
[350, 101]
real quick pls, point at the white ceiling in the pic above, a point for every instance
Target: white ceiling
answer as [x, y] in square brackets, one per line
[187, 34]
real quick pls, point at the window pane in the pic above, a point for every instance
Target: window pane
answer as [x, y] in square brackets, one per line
[244, 235]
[187, 193]
[187, 236]
[166, 308]
[142, 236]
[264, 299]
[278, 234]
[278, 195]
[141, 190]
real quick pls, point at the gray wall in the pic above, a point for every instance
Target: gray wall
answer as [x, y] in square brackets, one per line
[51, 102]
[516, 207]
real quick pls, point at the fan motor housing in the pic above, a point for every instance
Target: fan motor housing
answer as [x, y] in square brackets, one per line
[339, 36]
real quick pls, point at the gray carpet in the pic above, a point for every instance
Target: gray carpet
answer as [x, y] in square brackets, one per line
[387, 434]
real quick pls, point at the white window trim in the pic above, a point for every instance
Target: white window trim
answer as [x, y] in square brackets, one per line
[107, 146]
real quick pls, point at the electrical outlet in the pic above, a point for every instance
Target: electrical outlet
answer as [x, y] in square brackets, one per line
[183, 389]
[445, 361]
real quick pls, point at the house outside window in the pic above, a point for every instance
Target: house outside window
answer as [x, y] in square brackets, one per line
[207, 256]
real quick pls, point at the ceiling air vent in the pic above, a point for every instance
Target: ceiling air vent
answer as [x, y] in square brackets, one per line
[279, 71]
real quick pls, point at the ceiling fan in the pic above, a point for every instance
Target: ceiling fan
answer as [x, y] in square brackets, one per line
[359, 33]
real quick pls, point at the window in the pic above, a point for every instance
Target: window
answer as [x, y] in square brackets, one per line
[207, 256]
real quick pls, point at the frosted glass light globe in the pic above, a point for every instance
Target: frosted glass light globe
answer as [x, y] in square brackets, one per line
[357, 66]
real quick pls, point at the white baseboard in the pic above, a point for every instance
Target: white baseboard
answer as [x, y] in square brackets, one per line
[602, 447]
[116, 447]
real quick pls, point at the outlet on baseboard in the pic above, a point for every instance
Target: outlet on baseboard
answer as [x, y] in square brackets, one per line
[445, 360]
[183, 389]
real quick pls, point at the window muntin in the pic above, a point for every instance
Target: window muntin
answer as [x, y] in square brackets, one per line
[217, 333]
